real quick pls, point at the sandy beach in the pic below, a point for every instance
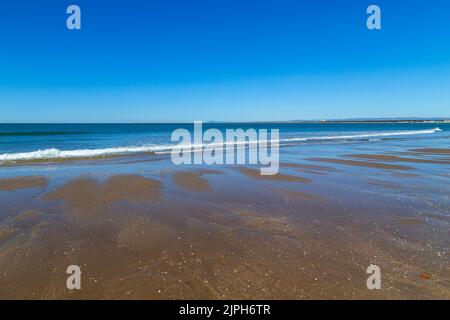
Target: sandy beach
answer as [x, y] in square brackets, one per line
[147, 229]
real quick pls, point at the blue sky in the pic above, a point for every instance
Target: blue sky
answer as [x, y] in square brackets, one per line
[230, 60]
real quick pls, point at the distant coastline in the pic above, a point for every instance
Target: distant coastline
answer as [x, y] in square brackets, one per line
[312, 121]
[355, 120]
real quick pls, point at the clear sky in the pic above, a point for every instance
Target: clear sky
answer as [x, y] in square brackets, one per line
[230, 60]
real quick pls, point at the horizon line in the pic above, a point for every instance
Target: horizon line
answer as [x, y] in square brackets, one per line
[375, 119]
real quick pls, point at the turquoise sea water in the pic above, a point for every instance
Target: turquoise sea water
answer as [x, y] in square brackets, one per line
[49, 141]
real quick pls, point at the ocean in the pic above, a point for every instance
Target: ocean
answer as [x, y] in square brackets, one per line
[36, 142]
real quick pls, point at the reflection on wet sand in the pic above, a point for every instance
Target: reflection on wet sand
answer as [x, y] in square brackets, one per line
[403, 174]
[255, 174]
[308, 168]
[383, 157]
[385, 184]
[375, 165]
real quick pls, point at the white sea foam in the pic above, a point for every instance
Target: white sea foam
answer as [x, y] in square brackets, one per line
[369, 135]
[81, 153]
[86, 153]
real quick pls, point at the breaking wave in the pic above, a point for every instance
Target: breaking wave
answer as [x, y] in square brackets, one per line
[53, 153]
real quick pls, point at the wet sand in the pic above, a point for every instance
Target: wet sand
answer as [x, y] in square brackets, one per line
[193, 181]
[290, 195]
[308, 168]
[303, 166]
[375, 165]
[117, 188]
[396, 158]
[432, 150]
[228, 233]
[22, 183]
[255, 174]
